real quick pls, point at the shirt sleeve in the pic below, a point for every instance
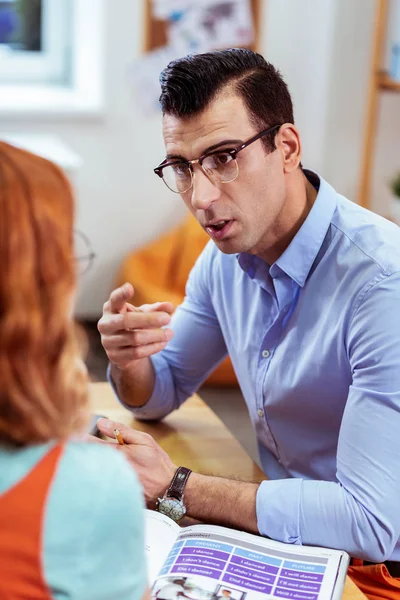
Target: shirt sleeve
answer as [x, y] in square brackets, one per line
[94, 529]
[359, 513]
[196, 349]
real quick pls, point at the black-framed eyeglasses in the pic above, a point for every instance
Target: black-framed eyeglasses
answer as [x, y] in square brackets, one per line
[84, 254]
[220, 166]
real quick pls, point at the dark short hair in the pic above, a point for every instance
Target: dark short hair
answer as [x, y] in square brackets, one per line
[190, 84]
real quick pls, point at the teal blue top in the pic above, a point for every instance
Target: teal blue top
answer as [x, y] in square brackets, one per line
[93, 542]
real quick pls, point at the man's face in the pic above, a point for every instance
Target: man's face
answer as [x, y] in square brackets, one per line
[251, 204]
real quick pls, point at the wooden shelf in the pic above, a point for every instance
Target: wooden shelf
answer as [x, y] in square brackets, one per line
[388, 84]
[379, 83]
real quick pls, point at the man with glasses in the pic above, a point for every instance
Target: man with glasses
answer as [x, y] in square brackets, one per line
[302, 288]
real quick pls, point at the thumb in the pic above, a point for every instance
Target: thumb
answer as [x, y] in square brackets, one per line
[120, 297]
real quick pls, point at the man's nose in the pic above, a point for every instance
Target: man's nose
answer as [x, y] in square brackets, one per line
[204, 190]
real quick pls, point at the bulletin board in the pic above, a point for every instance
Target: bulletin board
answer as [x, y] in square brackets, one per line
[155, 30]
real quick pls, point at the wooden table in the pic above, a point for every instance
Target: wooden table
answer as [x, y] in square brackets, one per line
[195, 437]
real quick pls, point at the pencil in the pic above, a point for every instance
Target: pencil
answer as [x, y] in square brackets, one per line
[119, 437]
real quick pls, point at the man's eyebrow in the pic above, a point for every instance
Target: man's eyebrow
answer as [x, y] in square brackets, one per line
[175, 157]
[223, 143]
[207, 150]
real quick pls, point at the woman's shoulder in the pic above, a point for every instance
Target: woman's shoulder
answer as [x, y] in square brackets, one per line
[89, 466]
[92, 481]
[94, 520]
[94, 457]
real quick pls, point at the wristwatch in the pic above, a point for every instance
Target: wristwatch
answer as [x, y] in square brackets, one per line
[171, 504]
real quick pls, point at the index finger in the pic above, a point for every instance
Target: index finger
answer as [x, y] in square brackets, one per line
[130, 436]
[119, 297]
[167, 307]
[145, 320]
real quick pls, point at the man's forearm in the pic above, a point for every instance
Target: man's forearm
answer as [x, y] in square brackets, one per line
[136, 383]
[222, 501]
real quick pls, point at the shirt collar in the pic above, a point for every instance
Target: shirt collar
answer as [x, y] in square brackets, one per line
[248, 263]
[298, 258]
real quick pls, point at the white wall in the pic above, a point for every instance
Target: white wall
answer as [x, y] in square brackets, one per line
[298, 40]
[121, 203]
[322, 48]
[348, 86]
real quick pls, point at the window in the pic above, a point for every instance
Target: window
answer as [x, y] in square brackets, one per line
[51, 57]
[33, 41]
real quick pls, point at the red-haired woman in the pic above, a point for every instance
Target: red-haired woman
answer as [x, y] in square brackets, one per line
[71, 520]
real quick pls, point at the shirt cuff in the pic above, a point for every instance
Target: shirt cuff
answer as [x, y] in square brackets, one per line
[162, 400]
[278, 510]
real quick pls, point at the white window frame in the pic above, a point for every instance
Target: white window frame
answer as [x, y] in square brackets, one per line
[83, 94]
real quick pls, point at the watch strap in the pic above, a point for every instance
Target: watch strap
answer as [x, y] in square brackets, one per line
[178, 483]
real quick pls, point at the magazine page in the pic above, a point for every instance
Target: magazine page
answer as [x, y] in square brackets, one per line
[215, 563]
[160, 535]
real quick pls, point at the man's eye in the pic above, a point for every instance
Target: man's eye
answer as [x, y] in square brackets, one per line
[222, 158]
[180, 169]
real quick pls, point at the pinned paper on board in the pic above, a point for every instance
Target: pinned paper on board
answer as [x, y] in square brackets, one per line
[192, 28]
[163, 9]
[198, 28]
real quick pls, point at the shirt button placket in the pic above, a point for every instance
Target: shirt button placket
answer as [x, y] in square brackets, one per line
[260, 412]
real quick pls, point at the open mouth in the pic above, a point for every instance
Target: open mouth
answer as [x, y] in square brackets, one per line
[218, 229]
[218, 226]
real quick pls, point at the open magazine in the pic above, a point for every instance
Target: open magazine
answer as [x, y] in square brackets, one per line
[206, 562]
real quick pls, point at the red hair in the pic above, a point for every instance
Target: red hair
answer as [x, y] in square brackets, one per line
[43, 382]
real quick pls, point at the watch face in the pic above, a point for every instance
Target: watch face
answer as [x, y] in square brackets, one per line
[172, 507]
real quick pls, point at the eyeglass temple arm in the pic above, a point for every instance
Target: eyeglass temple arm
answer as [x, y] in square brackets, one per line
[258, 136]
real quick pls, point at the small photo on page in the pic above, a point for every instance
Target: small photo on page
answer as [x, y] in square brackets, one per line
[222, 592]
[169, 588]
[183, 588]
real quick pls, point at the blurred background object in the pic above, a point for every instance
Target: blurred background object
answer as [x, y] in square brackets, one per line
[393, 41]
[70, 77]
[384, 76]
[395, 206]
[34, 39]
[9, 21]
[182, 27]
[29, 36]
[21, 24]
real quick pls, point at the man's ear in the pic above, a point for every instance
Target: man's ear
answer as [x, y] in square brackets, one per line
[289, 143]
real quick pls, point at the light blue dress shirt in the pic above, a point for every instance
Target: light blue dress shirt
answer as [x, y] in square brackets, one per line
[315, 343]
[93, 529]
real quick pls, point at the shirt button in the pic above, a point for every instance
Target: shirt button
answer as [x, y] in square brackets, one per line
[260, 412]
[266, 353]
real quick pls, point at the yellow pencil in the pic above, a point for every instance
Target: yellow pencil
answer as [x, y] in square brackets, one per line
[119, 437]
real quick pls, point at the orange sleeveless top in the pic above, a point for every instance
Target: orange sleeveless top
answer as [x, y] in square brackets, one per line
[22, 511]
